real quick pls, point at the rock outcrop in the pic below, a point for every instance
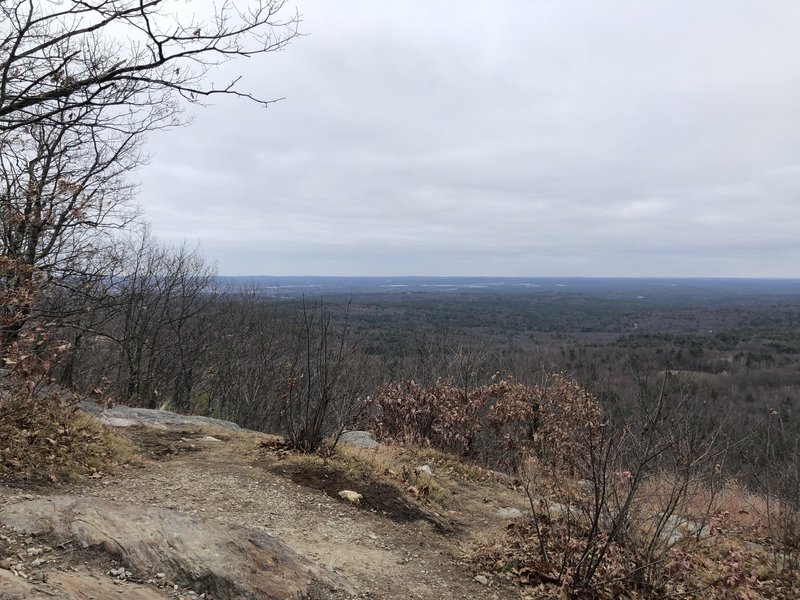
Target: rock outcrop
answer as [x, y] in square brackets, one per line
[360, 439]
[126, 416]
[73, 586]
[226, 561]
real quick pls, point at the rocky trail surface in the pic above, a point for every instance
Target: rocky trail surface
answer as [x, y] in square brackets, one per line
[212, 511]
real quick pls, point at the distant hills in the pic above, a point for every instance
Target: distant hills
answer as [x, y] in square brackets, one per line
[295, 286]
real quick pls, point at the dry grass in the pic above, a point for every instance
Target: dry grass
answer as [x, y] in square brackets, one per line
[739, 559]
[402, 464]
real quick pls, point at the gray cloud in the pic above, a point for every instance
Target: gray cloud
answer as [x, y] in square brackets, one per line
[511, 138]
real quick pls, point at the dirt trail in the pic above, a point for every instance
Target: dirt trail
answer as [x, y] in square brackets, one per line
[234, 481]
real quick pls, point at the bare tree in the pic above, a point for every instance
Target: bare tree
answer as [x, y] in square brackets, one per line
[158, 293]
[323, 385]
[246, 360]
[81, 84]
[63, 186]
[56, 57]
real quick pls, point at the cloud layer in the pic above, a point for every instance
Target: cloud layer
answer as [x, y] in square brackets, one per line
[512, 138]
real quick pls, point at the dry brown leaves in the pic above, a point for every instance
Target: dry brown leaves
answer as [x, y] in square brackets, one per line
[43, 437]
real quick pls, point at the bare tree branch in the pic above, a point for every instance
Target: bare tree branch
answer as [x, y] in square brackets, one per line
[56, 57]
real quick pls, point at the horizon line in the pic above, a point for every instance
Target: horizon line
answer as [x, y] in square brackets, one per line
[595, 277]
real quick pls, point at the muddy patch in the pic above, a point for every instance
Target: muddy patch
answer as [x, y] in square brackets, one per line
[163, 445]
[379, 498]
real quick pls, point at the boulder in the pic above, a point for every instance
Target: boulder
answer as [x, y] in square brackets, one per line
[509, 512]
[126, 416]
[360, 439]
[226, 561]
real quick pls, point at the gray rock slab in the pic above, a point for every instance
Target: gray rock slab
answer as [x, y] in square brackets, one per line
[228, 562]
[75, 586]
[509, 513]
[360, 439]
[126, 416]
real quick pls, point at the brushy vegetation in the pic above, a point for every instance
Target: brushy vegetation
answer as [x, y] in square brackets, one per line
[498, 425]
[46, 438]
[43, 436]
[631, 507]
[633, 502]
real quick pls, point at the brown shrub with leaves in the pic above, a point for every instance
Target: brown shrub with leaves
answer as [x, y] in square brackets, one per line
[42, 434]
[46, 438]
[614, 504]
[499, 424]
[442, 416]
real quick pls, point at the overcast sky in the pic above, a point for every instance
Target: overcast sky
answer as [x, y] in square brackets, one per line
[508, 138]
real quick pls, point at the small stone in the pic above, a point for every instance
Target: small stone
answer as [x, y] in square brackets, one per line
[481, 579]
[751, 546]
[351, 496]
[120, 573]
[160, 575]
[38, 577]
[426, 469]
[5, 564]
[509, 513]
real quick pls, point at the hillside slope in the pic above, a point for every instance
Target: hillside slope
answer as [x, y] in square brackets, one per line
[389, 546]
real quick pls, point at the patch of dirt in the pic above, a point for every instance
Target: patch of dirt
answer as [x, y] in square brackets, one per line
[404, 556]
[379, 498]
[158, 444]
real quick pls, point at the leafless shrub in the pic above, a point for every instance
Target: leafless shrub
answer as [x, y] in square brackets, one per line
[778, 481]
[322, 383]
[614, 504]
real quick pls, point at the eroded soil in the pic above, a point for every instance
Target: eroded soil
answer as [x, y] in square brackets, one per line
[379, 498]
[391, 546]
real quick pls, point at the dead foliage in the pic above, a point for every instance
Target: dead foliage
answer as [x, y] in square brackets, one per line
[498, 425]
[44, 437]
[719, 567]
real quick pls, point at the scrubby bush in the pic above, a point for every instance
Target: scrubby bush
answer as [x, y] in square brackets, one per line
[616, 503]
[322, 382]
[43, 436]
[498, 425]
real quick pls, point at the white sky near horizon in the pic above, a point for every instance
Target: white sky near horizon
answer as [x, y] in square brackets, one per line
[513, 138]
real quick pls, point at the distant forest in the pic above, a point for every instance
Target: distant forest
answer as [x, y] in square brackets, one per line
[227, 347]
